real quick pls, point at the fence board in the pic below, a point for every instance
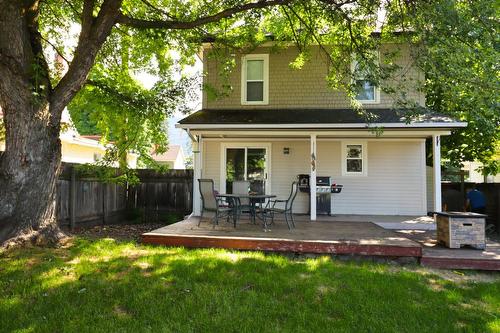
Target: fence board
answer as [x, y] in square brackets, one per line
[452, 194]
[96, 202]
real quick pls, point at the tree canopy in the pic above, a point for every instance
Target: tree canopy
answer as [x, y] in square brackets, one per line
[460, 57]
[457, 45]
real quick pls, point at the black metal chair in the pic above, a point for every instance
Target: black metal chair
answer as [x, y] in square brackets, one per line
[211, 203]
[244, 204]
[287, 207]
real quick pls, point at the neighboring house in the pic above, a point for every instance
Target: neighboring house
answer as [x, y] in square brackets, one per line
[173, 158]
[277, 123]
[80, 149]
[477, 177]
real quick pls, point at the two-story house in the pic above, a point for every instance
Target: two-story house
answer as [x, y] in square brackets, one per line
[277, 123]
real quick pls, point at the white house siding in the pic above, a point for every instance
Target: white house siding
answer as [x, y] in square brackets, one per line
[285, 169]
[430, 188]
[210, 167]
[395, 184]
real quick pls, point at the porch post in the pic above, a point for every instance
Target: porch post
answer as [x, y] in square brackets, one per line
[197, 151]
[312, 179]
[436, 154]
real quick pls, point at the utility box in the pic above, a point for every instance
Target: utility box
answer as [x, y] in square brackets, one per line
[455, 229]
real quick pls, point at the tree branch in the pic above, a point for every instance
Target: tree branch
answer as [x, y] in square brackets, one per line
[94, 32]
[55, 48]
[182, 25]
[42, 69]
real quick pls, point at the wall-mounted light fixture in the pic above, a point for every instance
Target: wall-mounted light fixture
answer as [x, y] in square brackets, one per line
[286, 151]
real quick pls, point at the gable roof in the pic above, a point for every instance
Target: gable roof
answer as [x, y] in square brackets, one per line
[170, 155]
[313, 118]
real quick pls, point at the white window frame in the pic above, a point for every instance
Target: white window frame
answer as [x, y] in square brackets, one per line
[377, 88]
[244, 145]
[265, 95]
[364, 158]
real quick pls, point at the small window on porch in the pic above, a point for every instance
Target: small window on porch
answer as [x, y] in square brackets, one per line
[255, 79]
[354, 159]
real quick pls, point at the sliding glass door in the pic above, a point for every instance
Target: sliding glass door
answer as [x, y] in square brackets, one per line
[245, 163]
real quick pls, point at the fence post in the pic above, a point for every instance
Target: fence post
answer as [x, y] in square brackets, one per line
[72, 198]
[104, 203]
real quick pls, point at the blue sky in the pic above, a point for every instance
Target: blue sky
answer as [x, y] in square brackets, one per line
[177, 136]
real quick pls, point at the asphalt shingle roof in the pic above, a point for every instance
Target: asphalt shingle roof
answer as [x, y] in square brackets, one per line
[309, 116]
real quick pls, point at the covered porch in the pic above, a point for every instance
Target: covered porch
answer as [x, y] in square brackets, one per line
[383, 171]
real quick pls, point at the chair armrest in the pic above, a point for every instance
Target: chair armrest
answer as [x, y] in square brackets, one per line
[275, 201]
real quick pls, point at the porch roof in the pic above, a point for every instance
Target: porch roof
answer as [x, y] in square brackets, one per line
[314, 118]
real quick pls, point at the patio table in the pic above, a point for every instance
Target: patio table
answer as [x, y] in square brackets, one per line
[254, 200]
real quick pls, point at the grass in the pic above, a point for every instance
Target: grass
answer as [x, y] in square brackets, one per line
[110, 286]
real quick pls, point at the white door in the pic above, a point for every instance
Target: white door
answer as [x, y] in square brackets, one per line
[245, 162]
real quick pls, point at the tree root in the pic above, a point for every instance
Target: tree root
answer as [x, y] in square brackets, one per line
[50, 236]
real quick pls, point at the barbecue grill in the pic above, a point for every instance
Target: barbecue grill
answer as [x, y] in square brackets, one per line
[324, 189]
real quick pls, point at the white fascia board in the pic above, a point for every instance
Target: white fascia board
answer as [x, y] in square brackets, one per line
[83, 142]
[209, 45]
[353, 133]
[324, 126]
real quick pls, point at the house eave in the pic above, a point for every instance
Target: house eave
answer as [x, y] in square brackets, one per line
[345, 126]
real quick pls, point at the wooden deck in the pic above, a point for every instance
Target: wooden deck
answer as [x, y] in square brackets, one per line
[324, 236]
[346, 235]
[437, 256]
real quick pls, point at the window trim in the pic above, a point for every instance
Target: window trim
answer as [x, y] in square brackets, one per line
[377, 88]
[244, 145]
[364, 158]
[265, 93]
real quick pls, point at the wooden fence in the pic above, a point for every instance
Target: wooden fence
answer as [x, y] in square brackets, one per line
[454, 197]
[159, 194]
[86, 200]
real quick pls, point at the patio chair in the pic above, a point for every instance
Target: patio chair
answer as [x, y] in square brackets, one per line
[211, 203]
[244, 205]
[286, 207]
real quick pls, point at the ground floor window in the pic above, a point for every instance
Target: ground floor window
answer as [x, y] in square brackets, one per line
[354, 159]
[247, 163]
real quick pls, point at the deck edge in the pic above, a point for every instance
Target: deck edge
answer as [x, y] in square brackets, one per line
[284, 245]
[461, 263]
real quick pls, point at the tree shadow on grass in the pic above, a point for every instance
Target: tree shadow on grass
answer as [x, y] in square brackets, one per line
[104, 286]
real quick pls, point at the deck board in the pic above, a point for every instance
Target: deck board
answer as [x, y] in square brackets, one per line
[332, 237]
[438, 256]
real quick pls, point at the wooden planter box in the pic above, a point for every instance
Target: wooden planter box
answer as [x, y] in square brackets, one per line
[455, 229]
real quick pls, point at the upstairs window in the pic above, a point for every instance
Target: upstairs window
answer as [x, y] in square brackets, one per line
[354, 159]
[366, 91]
[255, 79]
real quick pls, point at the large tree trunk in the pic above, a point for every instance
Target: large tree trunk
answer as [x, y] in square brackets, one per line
[28, 167]
[28, 174]
[32, 114]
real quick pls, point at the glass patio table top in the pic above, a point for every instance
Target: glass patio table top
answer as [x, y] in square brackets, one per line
[249, 196]
[254, 200]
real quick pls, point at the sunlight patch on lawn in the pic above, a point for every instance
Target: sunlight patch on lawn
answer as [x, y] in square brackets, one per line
[316, 263]
[494, 326]
[134, 253]
[57, 277]
[229, 256]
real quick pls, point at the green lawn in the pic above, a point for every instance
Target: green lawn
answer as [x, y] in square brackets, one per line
[109, 286]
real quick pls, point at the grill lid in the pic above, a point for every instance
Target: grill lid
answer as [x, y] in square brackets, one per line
[323, 181]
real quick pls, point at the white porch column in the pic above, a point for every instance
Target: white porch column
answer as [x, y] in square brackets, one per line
[312, 179]
[197, 161]
[436, 154]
